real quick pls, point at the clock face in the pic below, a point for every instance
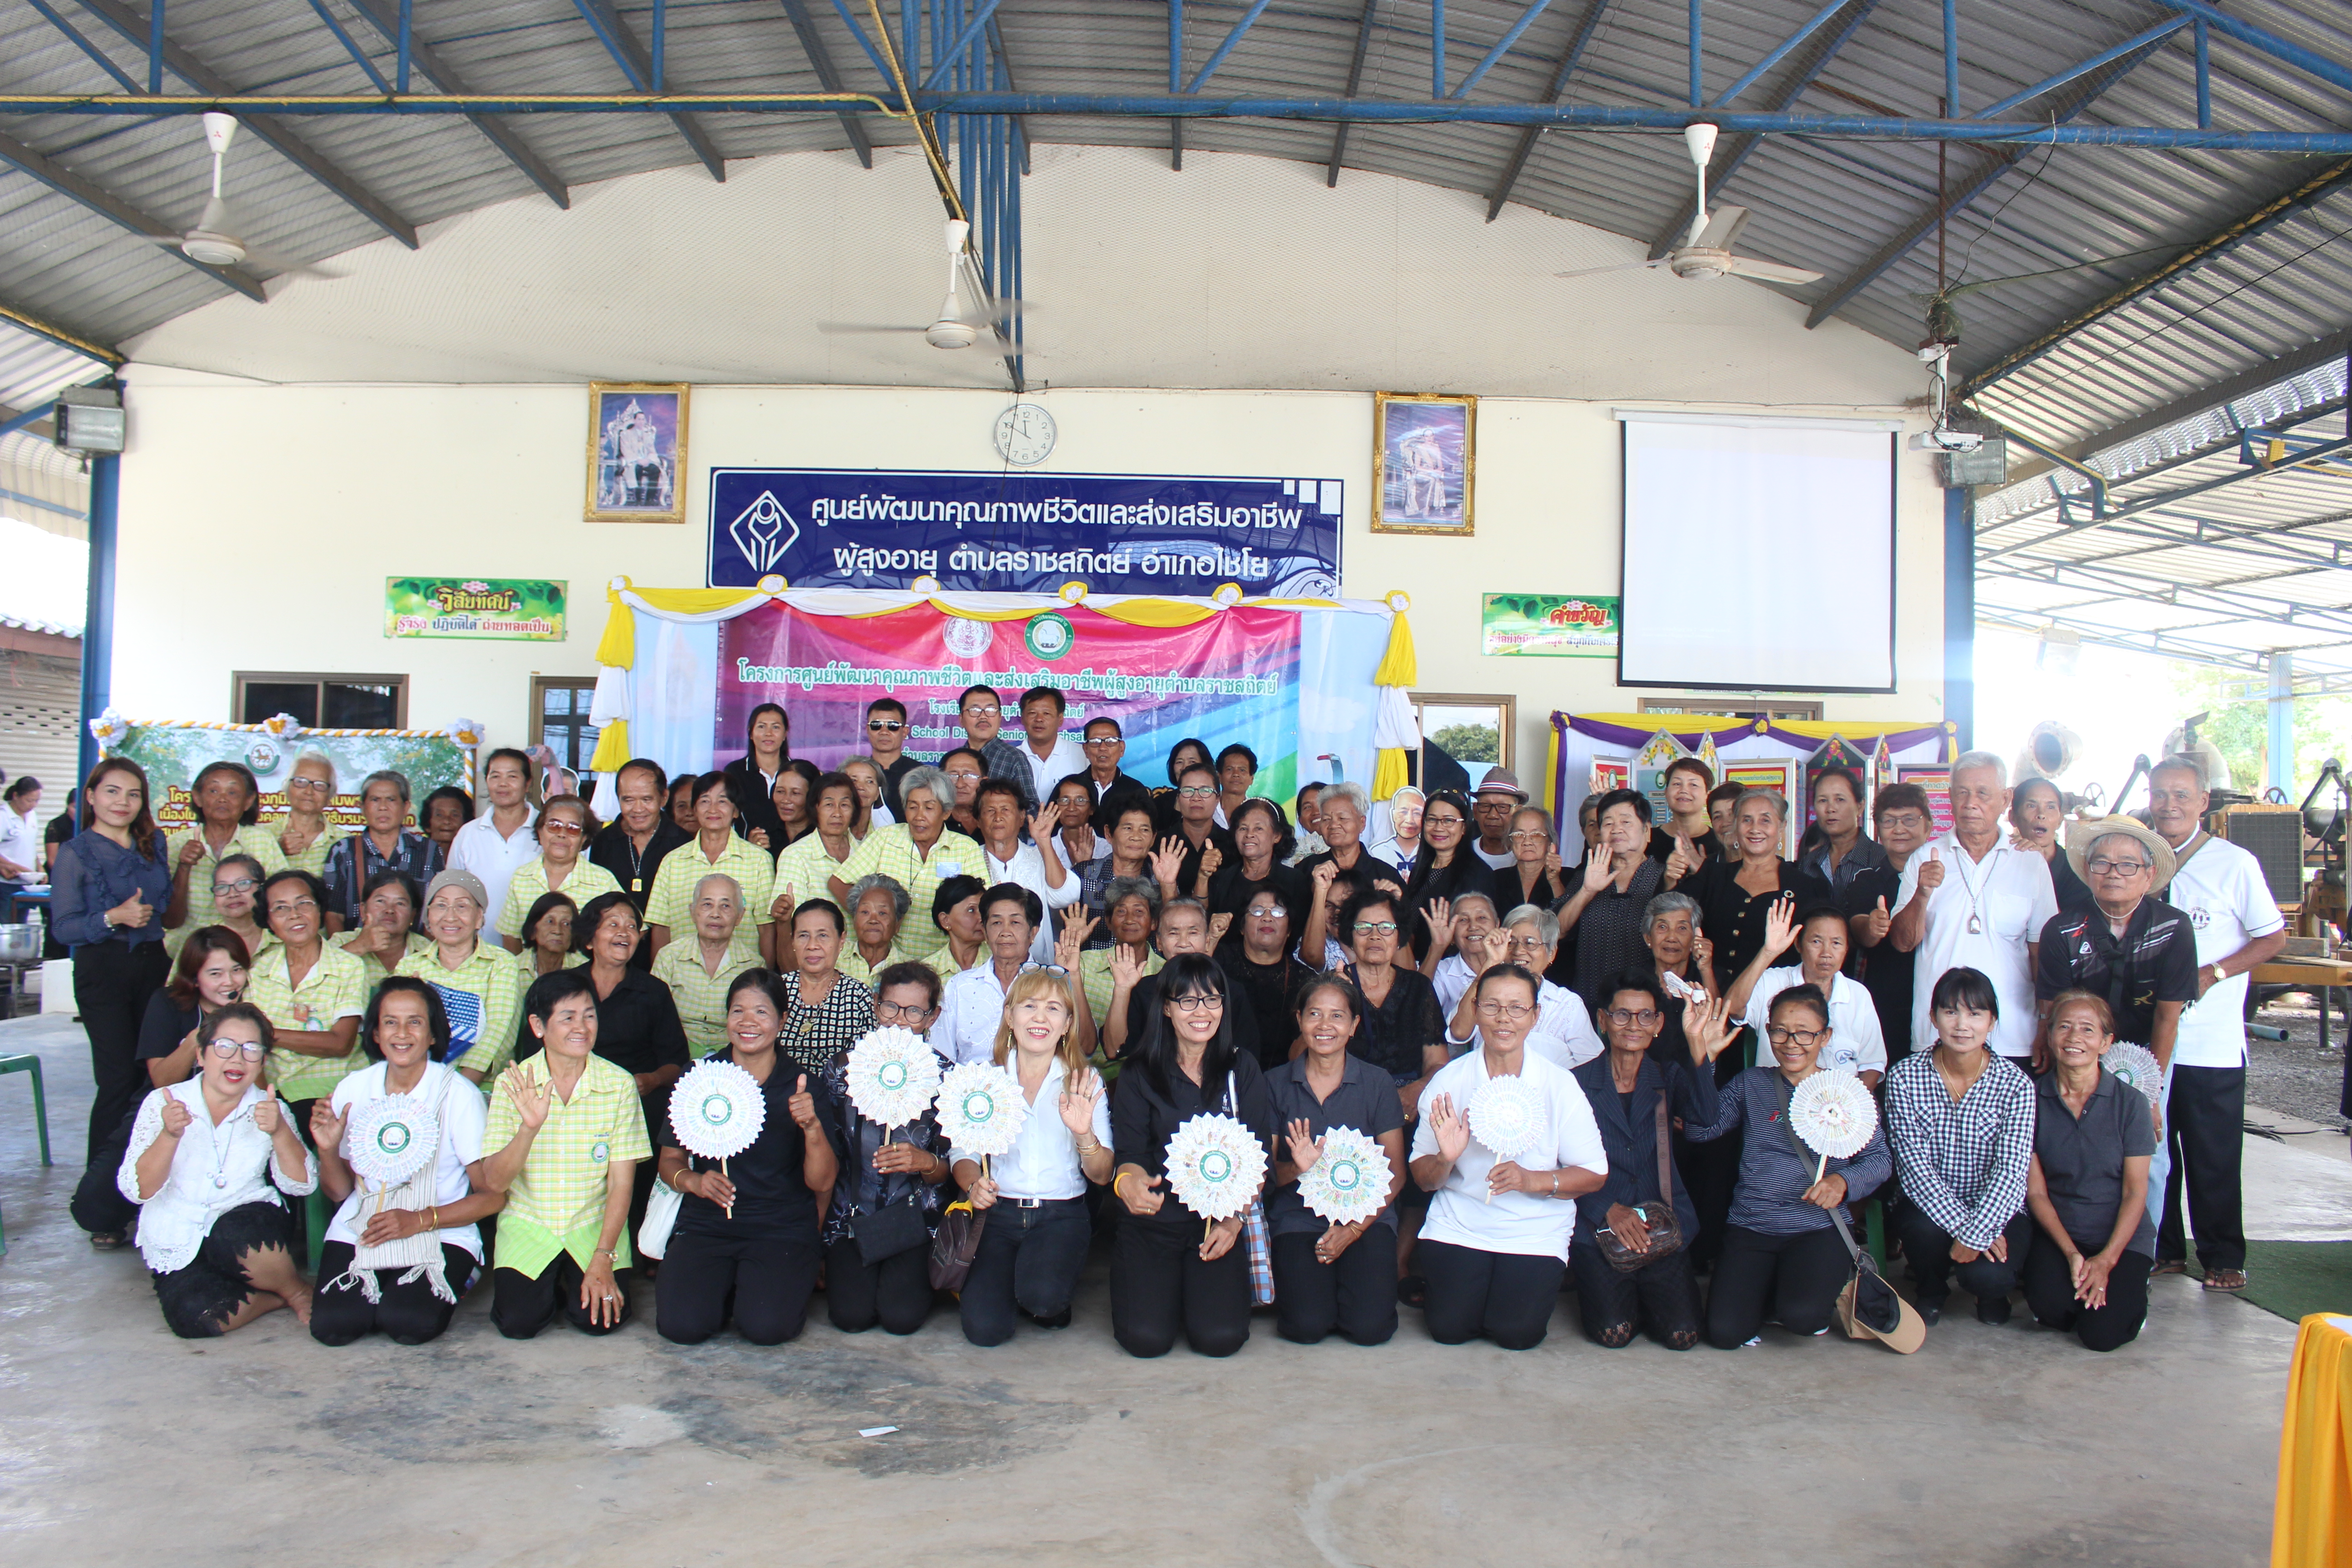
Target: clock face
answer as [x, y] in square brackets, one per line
[1024, 434]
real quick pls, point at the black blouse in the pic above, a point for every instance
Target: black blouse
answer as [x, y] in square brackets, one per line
[1732, 918]
[771, 1202]
[1268, 990]
[1392, 1035]
[1144, 1119]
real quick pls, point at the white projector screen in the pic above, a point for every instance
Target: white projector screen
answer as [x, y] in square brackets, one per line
[1760, 554]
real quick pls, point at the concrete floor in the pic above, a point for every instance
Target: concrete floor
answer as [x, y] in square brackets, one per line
[120, 1443]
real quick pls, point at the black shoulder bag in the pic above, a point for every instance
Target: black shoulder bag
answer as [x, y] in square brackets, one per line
[1666, 1230]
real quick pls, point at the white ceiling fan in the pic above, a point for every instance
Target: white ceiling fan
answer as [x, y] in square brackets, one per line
[214, 240]
[1707, 252]
[957, 327]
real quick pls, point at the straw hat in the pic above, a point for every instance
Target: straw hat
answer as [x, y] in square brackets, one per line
[2081, 836]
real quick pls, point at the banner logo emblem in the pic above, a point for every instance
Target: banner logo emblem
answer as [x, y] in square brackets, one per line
[764, 531]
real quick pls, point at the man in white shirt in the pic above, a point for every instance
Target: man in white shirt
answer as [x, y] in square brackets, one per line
[1821, 939]
[972, 1004]
[2221, 888]
[495, 846]
[1970, 900]
[1052, 756]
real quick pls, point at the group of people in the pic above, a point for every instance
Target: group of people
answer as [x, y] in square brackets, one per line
[1138, 957]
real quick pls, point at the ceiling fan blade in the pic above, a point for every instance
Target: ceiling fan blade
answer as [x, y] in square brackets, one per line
[846, 328]
[1621, 267]
[1771, 271]
[280, 268]
[1722, 230]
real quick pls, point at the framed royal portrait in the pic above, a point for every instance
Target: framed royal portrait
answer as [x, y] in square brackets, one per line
[1425, 462]
[636, 452]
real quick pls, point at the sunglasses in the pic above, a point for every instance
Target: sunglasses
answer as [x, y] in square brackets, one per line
[883, 726]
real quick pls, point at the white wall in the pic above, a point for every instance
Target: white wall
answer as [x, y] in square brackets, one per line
[259, 522]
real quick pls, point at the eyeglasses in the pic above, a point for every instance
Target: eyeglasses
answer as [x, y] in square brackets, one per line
[983, 710]
[242, 885]
[299, 782]
[1102, 739]
[885, 726]
[1514, 1011]
[1805, 1037]
[1032, 967]
[1193, 1001]
[2103, 866]
[229, 1050]
[1269, 910]
[288, 907]
[959, 773]
[1431, 819]
[1535, 835]
[1195, 792]
[561, 829]
[900, 1011]
[1634, 1017]
[1376, 927]
[1526, 944]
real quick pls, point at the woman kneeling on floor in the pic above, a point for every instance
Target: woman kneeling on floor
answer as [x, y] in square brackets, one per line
[397, 1258]
[565, 1135]
[2094, 1136]
[747, 1226]
[206, 1162]
[1783, 1257]
[1033, 1242]
[1495, 1247]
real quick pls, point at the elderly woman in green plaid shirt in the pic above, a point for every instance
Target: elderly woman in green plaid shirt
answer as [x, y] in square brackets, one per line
[566, 1134]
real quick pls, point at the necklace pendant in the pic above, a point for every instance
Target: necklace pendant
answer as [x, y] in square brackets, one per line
[220, 1181]
[1976, 926]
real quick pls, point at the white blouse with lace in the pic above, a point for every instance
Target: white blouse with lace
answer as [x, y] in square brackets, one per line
[214, 1170]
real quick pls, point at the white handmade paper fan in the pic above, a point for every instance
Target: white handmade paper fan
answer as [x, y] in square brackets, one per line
[1508, 1116]
[2135, 1065]
[1350, 1183]
[1215, 1165]
[893, 1077]
[717, 1109]
[392, 1138]
[1834, 1114]
[982, 1108]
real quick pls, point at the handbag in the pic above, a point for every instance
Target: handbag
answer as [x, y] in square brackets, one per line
[884, 1233]
[955, 1244]
[661, 1218]
[1666, 1230]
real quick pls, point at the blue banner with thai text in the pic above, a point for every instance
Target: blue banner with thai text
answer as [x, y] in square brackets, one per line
[1024, 533]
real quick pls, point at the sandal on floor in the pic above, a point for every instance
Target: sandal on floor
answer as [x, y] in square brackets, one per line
[2225, 1278]
[2169, 1266]
[108, 1240]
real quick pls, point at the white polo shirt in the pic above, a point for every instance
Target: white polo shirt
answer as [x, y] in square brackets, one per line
[1067, 757]
[1519, 1223]
[479, 848]
[1855, 1043]
[2222, 892]
[2009, 899]
[971, 1005]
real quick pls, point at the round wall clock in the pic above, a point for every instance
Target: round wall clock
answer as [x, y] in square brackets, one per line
[1025, 435]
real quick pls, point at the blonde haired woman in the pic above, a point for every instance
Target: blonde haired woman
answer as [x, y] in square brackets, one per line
[1035, 1243]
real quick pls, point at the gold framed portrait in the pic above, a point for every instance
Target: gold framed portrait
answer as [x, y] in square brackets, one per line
[1425, 462]
[636, 452]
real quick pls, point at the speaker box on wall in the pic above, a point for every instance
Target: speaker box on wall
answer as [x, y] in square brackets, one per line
[2273, 835]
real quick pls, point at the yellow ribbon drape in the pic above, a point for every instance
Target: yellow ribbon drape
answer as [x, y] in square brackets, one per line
[2314, 1515]
[612, 747]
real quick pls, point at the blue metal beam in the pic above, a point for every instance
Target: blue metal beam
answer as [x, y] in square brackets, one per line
[98, 606]
[351, 44]
[1503, 44]
[74, 36]
[1437, 47]
[819, 59]
[1732, 153]
[1355, 80]
[26, 421]
[2333, 72]
[1779, 52]
[1568, 59]
[955, 52]
[1249, 19]
[1951, 59]
[428, 61]
[2155, 35]
[620, 43]
[63, 337]
[1697, 60]
[857, 31]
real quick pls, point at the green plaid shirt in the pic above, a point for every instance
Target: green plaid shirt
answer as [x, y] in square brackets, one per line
[700, 996]
[491, 989]
[257, 841]
[335, 989]
[557, 1201]
[581, 883]
[671, 904]
[891, 851]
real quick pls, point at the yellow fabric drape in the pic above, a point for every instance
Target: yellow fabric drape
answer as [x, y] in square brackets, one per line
[1400, 666]
[1680, 724]
[2311, 1525]
[618, 646]
[612, 747]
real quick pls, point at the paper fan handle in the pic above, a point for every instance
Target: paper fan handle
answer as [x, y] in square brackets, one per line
[729, 1210]
[1820, 1170]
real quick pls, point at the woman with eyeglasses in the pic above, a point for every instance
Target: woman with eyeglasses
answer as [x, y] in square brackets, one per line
[311, 993]
[1495, 1247]
[236, 899]
[1737, 892]
[1132, 916]
[547, 938]
[1445, 865]
[398, 1259]
[745, 1244]
[307, 833]
[481, 992]
[1782, 1255]
[387, 936]
[565, 825]
[1400, 1032]
[1527, 936]
[210, 1163]
[967, 770]
[1534, 875]
[1171, 1270]
[806, 865]
[1190, 855]
[1344, 809]
[228, 799]
[825, 1012]
[877, 907]
[1635, 1098]
[1071, 803]
[752, 777]
[907, 996]
[1328, 1276]
[1034, 1243]
[1266, 977]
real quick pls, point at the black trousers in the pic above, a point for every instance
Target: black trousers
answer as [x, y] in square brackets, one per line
[1158, 1286]
[1929, 1248]
[1505, 1296]
[521, 1305]
[2205, 1125]
[1794, 1279]
[895, 1292]
[113, 982]
[200, 1297]
[1661, 1297]
[2050, 1291]
[98, 1204]
[1355, 1294]
[1028, 1261]
[765, 1285]
[407, 1314]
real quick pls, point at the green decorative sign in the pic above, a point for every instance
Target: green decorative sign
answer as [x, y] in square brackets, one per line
[476, 609]
[1550, 626]
[1050, 636]
[173, 754]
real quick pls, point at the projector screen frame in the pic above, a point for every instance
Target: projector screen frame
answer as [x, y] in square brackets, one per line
[1626, 418]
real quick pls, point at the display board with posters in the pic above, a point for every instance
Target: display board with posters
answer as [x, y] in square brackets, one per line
[173, 753]
[1937, 782]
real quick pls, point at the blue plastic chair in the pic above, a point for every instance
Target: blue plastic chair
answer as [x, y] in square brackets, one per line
[28, 1062]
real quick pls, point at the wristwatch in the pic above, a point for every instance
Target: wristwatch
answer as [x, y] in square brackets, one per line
[2218, 975]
